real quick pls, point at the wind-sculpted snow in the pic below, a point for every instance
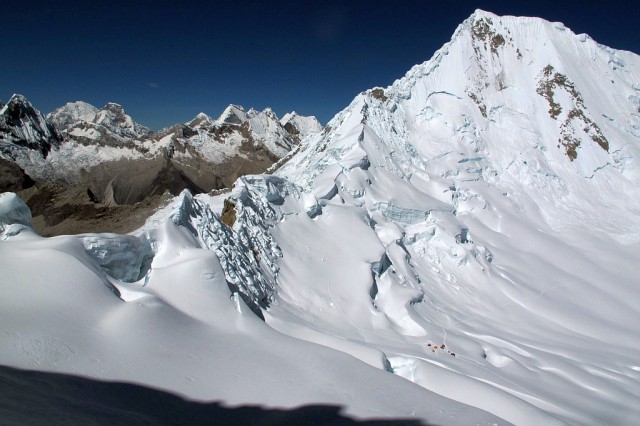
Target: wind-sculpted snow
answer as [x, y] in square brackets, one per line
[179, 330]
[14, 215]
[500, 181]
[472, 228]
[124, 257]
[247, 253]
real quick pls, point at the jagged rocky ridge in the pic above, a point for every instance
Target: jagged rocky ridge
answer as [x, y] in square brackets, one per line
[100, 148]
[22, 126]
[120, 162]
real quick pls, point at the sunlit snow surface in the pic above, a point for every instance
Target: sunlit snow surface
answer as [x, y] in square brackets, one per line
[437, 231]
[180, 329]
[519, 260]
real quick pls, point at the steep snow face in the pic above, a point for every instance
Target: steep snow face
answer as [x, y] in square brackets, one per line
[71, 113]
[113, 117]
[486, 205]
[537, 77]
[512, 102]
[300, 125]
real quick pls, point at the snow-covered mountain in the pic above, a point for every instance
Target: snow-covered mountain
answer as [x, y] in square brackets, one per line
[122, 162]
[80, 120]
[494, 193]
[300, 125]
[469, 234]
[22, 126]
[71, 113]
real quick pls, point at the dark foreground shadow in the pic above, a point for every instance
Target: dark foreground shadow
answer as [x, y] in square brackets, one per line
[37, 398]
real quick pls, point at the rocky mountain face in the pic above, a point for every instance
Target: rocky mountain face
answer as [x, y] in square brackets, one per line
[22, 126]
[13, 178]
[300, 126]
[120, 162]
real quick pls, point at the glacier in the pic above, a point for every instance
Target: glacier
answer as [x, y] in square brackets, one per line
[459, 247]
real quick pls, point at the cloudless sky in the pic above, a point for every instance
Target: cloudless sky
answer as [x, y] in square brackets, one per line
[165, 61]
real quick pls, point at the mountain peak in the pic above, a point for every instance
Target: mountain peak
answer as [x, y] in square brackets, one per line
[270, 113]
[23, 125]
[114, 109]
[16, 97]
[71, 113]
[482, 14]
[113, 106]
[514, 116]
[113, 116]
[233, 114]
[299, 125]
[79, 105]
[497, 75]
[201, 120]
[18, 101]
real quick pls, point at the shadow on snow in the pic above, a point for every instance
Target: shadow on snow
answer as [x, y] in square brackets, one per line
[31, 397]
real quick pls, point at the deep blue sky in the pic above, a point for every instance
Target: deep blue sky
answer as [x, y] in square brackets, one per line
[166, 61]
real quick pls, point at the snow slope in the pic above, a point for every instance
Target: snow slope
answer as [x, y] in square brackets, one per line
[470, 231]
[178, 329]
[493, 192]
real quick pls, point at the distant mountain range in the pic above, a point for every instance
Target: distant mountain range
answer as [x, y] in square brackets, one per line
[120, 162]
